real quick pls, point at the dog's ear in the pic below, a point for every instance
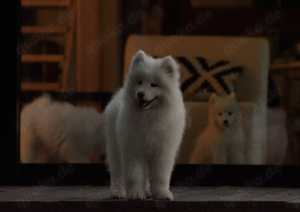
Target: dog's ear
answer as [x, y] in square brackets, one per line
[170, 67]
[232, 95]
[139, 57]
[212, 98]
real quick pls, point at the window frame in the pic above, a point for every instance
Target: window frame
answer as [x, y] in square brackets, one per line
[15, 173]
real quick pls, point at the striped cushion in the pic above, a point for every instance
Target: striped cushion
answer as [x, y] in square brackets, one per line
[201, 77]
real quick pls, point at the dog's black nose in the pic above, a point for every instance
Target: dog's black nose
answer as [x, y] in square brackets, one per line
[140, 95]
[225, 122]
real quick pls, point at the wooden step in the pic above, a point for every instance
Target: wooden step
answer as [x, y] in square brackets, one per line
[46, 3]
[40, 86]
[42, 58]
[44, 30]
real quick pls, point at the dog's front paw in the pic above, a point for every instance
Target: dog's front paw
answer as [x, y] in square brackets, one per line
[136, 195]
[117, 194]
[162, 195]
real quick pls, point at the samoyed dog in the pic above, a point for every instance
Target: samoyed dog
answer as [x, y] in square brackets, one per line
[145, 124]
[222, 142]
[58, 132]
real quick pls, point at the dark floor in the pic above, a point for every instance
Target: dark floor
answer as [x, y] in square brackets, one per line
[92, 198]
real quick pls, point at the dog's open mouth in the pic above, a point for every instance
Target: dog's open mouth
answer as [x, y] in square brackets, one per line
[144, 104]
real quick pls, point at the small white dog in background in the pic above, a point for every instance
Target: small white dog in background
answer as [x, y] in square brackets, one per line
[222, 141]
[145, 124]
[59, 132]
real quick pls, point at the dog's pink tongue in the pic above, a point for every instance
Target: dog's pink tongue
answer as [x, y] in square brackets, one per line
[142, 104]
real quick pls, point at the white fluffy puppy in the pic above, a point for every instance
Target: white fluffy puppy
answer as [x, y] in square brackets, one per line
[53, 131]
[145, 124]
[222, 141]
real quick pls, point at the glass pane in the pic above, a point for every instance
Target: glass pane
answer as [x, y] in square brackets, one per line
[238, 63]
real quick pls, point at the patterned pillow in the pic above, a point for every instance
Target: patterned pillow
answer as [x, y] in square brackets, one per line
[201, 77]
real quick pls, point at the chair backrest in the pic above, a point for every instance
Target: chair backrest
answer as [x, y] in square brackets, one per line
[251, 53]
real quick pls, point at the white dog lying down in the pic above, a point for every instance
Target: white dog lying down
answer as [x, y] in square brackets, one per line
[59, 132]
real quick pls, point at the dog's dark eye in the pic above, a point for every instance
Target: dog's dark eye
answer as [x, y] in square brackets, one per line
[153, 85]
[140, 82]
[229, 113]
[220, 114]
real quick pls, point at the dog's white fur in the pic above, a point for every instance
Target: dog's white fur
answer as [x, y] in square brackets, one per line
[221, 144]
[53, 131]
[142, 142]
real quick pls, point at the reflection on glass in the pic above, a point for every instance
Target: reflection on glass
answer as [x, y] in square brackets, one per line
[58, 132]
[72, 47]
